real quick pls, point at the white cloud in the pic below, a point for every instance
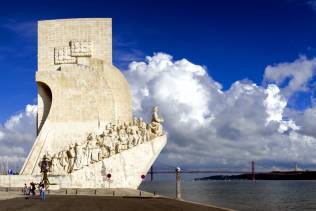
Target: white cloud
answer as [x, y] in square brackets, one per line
[13, 121]
[17, 136]
[292, 77]
[209, 126]
[306, 119]
[31, 110]
[1, 135]
[275, 103]
[154, 80]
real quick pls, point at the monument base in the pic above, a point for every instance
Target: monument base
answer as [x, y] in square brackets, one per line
[126, 170]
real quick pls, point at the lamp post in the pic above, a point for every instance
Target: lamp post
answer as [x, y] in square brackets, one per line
[178, 181]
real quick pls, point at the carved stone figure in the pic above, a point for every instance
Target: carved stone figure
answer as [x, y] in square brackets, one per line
[71, 154]
[79, 157]
[108, 143]
[118, 148]
[130, 138]
[55, 165]
[155, 127]
[105, 152]
[134, 135]
[93, 150]
[135, 121]
[143, 130]
[85, 158]
[63, 159]
[123, 138]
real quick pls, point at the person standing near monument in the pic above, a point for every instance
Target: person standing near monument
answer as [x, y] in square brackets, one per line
[32, 184]
[25, 189]
[42, 191]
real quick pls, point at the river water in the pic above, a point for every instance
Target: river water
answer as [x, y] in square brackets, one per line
[243, 195]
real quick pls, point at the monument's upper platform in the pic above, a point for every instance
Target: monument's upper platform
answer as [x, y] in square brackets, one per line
[64, 41]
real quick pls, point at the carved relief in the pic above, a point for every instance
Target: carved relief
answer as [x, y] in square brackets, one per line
[80, 48]
[63, 56]
[114, 139]
[69, 54]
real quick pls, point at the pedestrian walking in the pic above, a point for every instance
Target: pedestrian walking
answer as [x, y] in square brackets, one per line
[42, 191]
[25, 189]
[32, 184]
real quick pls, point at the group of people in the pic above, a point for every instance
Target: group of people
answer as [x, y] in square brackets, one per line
[30, 190]
[114, 139]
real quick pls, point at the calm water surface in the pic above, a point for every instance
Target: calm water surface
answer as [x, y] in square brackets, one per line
[243, 195]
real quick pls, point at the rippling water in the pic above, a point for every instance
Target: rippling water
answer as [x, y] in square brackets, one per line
[243, 195]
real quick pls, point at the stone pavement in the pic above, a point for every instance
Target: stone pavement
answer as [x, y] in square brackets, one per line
[9, 195]
[95, 199]
[100, 203]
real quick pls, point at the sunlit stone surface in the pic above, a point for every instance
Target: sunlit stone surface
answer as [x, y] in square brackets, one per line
[85, 125]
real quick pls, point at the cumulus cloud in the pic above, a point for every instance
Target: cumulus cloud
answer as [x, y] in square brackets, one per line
[275, 103]
[306, 119]
[1, 135]
[209, 126]
[153, 81]
[16, 137]
[292, 77]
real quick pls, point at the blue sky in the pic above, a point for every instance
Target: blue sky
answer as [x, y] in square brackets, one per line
[237, 43]
[233, 39]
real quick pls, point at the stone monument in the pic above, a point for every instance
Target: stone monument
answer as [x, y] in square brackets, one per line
[84, 124]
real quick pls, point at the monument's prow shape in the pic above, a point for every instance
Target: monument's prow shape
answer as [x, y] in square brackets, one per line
[84, 124]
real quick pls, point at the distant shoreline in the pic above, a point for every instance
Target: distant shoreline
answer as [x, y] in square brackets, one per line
[273, 175]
